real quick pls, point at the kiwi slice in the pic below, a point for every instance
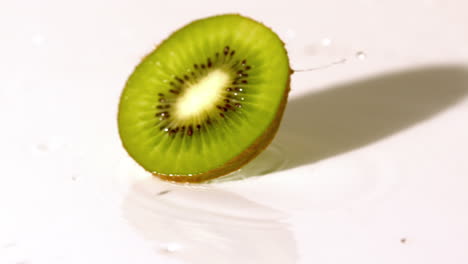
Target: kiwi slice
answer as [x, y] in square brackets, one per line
[207, 100]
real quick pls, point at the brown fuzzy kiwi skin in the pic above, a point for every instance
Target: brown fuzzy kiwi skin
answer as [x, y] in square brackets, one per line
[248, 154]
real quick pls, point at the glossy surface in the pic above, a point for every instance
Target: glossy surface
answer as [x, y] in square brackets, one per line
[374, 148]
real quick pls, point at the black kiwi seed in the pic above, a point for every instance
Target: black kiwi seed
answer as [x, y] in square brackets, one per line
[179, 80]
[177, 87]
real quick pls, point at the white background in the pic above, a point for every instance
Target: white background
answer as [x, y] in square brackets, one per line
[376, 164]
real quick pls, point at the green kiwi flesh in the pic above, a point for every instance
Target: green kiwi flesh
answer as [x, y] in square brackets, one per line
[207, 100]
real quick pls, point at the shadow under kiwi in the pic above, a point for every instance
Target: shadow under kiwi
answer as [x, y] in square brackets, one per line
[342, 118]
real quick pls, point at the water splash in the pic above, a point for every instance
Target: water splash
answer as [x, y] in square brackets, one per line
[200, 220]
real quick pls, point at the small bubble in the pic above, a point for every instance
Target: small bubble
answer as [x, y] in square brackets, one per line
[361, 55]
[325, 42]
[171, 247]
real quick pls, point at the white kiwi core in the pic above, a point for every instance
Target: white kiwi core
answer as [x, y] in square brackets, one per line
[201, 97]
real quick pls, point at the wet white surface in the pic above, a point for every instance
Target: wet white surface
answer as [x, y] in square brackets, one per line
[374, 149]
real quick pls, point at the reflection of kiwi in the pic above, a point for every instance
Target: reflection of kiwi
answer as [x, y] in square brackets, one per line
[207, 100]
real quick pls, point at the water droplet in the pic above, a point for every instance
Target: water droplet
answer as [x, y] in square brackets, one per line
[42, 147]
[9, 245]
[74, 177]
[163, 192]
[361, 55]
[325, 42]
[38, 39]
[310, 49]
[171, 247]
